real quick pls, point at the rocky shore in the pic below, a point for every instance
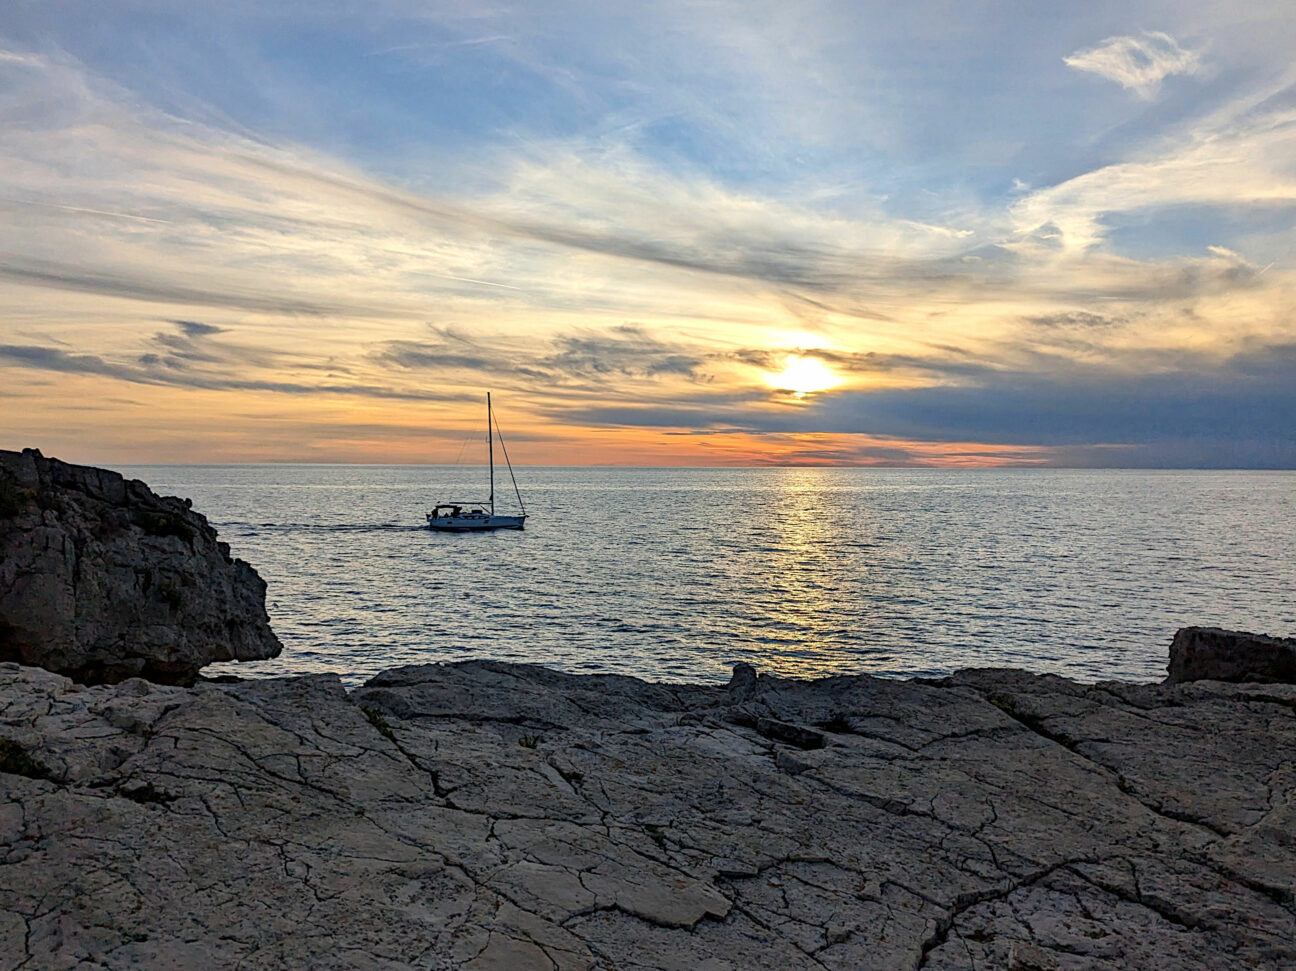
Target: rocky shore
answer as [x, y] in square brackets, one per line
[488, 815]
[496, 816]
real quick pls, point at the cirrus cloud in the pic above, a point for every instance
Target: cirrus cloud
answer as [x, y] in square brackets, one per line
[1138, 64]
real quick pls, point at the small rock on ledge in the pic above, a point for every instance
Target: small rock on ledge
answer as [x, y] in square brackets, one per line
[1214, 654]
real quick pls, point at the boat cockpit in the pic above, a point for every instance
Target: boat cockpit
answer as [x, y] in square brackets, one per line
[456, 511]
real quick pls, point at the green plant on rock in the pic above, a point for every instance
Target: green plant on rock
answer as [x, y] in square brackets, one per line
[15, 760]
[161, 523]
[172, 595]
[12, 499]
[377, 720]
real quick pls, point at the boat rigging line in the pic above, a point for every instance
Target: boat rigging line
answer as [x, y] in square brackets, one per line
[500, 436]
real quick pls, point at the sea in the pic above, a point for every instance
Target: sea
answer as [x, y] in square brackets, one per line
[675, 574]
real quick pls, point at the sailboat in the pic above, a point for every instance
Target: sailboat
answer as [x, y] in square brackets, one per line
[477, 515]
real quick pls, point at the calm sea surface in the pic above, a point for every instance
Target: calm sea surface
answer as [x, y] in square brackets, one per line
[675, 574]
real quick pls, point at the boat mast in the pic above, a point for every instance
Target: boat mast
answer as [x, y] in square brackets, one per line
[490, 445]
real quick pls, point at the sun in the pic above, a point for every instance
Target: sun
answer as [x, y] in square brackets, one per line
[804, 375]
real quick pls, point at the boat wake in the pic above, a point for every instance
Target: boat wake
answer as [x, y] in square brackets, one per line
[320, 527]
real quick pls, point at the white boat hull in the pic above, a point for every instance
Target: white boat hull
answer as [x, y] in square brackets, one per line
[474, 522]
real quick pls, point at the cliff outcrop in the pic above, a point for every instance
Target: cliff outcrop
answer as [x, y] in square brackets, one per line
[102, 580]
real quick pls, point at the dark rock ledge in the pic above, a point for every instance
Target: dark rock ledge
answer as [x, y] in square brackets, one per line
[102, 580]
[487, 815]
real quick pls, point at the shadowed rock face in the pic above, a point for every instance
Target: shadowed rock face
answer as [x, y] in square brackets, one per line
[496, 816]
[1213, 654]
[102, 580]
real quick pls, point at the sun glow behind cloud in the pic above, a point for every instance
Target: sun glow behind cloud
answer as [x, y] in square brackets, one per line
[643, 276]
[804, 375]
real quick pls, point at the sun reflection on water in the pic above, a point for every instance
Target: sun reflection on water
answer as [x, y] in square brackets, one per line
[804, 609]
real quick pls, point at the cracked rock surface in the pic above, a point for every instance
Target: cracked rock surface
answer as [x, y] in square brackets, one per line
[487, 815]
[102, 580]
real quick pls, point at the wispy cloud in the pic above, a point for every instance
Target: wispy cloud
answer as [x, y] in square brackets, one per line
[1239, 155]
[189, 358]
[131, 283]
[621, 360]
[1138, 64]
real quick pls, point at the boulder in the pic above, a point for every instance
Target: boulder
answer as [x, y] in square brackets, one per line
[1214, 654]
[102, 580]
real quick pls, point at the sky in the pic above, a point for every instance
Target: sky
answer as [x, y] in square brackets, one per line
[679, 233]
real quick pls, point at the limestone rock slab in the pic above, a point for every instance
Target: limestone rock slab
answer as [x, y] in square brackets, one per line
[485, 815]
